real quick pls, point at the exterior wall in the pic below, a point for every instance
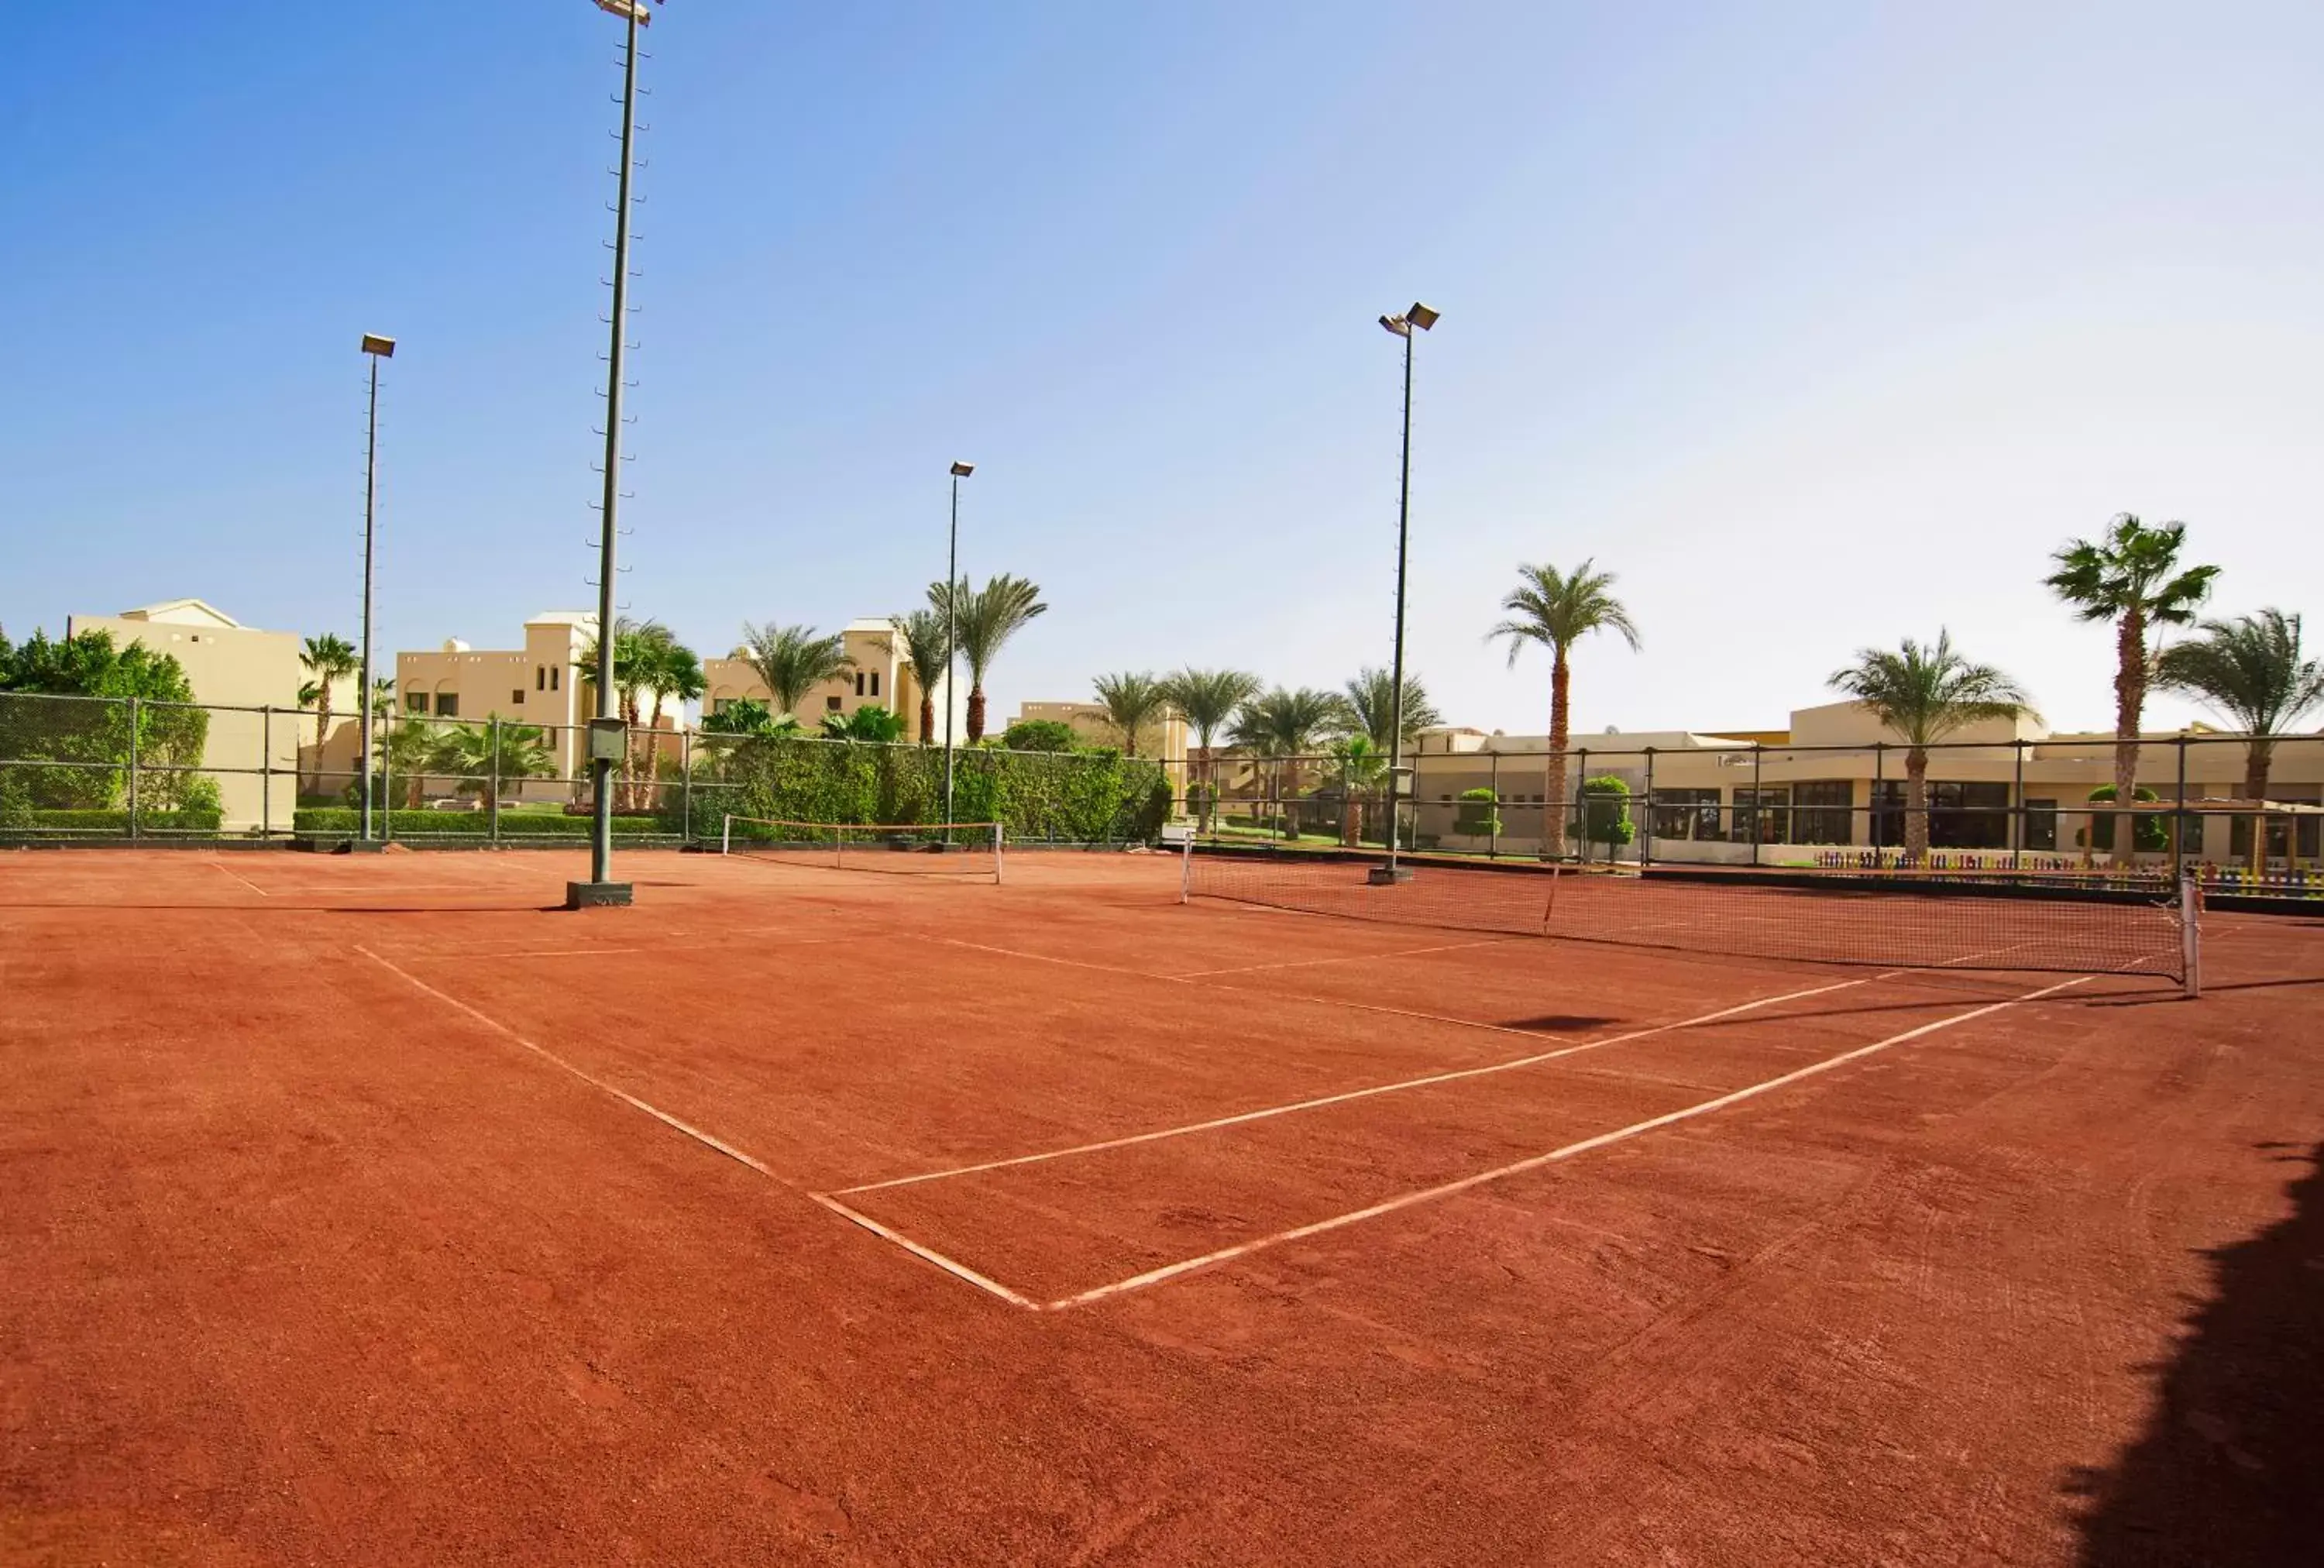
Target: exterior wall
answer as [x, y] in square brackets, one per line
[542, 683]
[880, 677]
[230, 665]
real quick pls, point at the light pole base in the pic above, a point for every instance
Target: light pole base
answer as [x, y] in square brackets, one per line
[1389, 876]
[597, 895]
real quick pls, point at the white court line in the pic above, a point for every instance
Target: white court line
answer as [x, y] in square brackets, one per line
[1341, 1098]
[708, 1141]
[950, 1265]
[1351, 957]
[244, 880]
[1636, 1129]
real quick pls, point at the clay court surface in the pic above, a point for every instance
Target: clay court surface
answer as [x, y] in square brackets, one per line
[370, 1209]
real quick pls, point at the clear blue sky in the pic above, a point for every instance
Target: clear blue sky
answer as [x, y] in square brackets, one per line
[1821, 323]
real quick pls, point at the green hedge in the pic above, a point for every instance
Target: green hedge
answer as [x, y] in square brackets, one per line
[1091, 797]
[334, 820]
[115, 823]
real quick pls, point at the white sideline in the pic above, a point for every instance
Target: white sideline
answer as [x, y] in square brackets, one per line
[1453, 1075]
[1448, 1189]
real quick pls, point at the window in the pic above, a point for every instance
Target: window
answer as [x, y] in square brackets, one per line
[1960, 815]
[540, 678]
[719, 704]
[554, 672]
[517, 696]
[830, 705]
[415, 702]
[2282, 831]
[447, 705]
[2042, 825]
[1762, 815]
[859, 683]
[875, 683]
[1686, 813]
[1820, 813]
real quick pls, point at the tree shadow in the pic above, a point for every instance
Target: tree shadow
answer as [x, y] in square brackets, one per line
[2230, 1468]
[1558, 1023]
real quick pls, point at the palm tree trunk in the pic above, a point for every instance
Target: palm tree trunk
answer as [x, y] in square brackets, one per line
[2129, 701]
[1352, 835]
[1552, 810]
[976, 713]
[2256, 760]
[927, 718]
[653, 785]
[322, 736]
[1916, 807]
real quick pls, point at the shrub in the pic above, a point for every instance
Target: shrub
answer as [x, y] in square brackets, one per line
[1606, 811]
[2153, 832]
[1475, 816]
[1040, 735]
[333, 821]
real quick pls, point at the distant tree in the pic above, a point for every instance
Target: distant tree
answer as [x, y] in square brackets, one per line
[872, 722]
[2251, 672]
[928, 653]
[1283, 727]
[983, 620]
[1556, 610]
[1040, 735]
[1209, 698]
[1132, 700]
[748, 716]
[90, 743]
[671, 669]
[473, 754]
[1475, 816]
[326, 658]
[791, 662]
[2130, 575]
[1363, 766]
[1371, 706]
[1925, 694]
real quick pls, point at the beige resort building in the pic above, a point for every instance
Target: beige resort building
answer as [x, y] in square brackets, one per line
[1164, 741]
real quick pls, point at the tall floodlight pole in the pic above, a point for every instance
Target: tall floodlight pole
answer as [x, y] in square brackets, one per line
[378, 348]
[1422, 318]
[959, 471]
[607, 740]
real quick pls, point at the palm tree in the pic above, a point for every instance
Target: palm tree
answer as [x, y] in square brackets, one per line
[984, 619]
[1362, 766]
[475, 753]
[2130, 575]
[1557, 610]
[1925, 694]
[1209, 698]
[872, 722]
[671, 669]
[793, 660]
[327, 658]
[928, 654]
[1283, 726]
[1132, 700]
[1371, 706]
[2249, 670]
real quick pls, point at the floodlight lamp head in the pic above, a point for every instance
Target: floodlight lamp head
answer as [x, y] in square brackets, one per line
[384, 348]
[1420, 316]
[1397, 325]
[963, 470]
[626, 9]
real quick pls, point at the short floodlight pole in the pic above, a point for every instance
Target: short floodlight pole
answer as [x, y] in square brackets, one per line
[377, 348]
[1421, 318]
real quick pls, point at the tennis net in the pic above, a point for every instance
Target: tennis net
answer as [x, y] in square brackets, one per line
[965, 852]
[2084, 924]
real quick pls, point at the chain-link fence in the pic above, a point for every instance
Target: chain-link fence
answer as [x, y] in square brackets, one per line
[2020, 805]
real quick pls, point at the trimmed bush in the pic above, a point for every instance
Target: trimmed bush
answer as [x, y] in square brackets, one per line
[336, 821]
[1475, 816]
[2152, 833]
[1606, 811]
[1040, 735]
[112, 824]
[1086, 798]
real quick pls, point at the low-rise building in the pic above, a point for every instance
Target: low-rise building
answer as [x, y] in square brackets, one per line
[1164, 739]
[544, 683]
[876, 673]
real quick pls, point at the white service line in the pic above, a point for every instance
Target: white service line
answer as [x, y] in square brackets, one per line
[928, 1254]
[708, 1141]
[1341, 1098]
[244, 880]
[1449, 1189]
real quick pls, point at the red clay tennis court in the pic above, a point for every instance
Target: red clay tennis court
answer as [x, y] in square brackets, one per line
[373, 1210]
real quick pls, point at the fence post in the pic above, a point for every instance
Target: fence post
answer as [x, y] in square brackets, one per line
[133, 767]
[266, 771]
[492, 800]
[1646, 822]
[1581, 804]
[1758, 751]
[2018, 817]
[2179, 813]
[1493, 814]
[685, 787]
[1879, 777]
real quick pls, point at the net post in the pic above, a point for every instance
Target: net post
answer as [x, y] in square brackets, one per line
[1647, 825]
[1493, 816]
[1187, 871]
[493, 801]
[1758, 797]
[2018, 817]
[2190, 932]
[726, 833]
[998, 839]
